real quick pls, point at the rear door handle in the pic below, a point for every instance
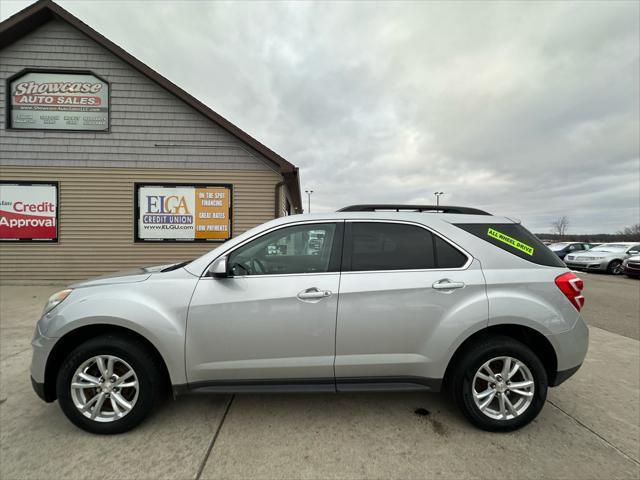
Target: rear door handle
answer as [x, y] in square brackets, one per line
[446, 284]
[313, 294]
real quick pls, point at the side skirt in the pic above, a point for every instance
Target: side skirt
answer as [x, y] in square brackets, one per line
[313, 385]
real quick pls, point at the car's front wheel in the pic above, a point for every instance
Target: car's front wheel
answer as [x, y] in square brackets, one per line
[108, 384]
[499, 384]
[615, 267]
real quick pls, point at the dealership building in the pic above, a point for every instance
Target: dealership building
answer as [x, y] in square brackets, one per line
[107, 165]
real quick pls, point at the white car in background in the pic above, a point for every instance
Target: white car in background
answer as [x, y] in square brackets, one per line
[607, 257]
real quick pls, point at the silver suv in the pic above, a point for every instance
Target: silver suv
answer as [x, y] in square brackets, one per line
[371, 298]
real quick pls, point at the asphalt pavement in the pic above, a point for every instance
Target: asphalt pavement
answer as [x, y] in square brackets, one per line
[612, 303]
[589, 429]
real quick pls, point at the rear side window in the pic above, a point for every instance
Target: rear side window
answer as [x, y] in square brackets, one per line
[448, 256]
[397, 246]
[515, 239]
[390, 246]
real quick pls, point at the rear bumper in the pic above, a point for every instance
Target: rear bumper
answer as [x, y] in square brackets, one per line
[563, 375]
[571, 349]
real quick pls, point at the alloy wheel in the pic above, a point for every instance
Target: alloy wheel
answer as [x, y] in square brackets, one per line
[503, 388]
[104, 388]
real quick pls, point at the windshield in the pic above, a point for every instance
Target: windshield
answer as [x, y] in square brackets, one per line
[557, 246]
[610, 247]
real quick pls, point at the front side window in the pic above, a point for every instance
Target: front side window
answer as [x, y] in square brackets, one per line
[296, 249]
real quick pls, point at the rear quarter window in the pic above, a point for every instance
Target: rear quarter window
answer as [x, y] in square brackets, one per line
[515, 239]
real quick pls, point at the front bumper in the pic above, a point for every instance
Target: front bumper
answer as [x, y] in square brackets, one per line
[632, 269]
[588, 265]
[39, 389]
[42, 347]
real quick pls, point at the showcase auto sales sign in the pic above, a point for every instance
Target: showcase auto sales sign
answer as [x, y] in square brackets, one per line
[28, 212]
[60, 101]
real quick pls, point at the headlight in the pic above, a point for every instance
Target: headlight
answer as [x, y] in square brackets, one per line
[625, 262]
[56, 299]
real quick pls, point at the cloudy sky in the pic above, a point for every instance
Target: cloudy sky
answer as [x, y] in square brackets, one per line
[530, 110]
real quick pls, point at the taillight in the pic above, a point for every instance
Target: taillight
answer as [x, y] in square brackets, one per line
[572, 287]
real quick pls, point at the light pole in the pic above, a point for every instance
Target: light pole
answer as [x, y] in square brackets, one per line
[437, 194]
[308, 192]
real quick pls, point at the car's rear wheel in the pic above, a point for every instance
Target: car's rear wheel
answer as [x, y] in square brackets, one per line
[615, 267]
[108, 384]
[499, 384]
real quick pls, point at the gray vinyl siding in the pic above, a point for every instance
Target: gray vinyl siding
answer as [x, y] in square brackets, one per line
[143, 115]
[96, 218]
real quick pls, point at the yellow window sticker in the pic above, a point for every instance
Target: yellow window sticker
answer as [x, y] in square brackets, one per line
[501, 237]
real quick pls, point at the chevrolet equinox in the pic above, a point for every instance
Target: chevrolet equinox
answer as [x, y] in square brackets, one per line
[373, 297]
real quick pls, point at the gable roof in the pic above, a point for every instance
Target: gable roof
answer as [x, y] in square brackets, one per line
[32, 17]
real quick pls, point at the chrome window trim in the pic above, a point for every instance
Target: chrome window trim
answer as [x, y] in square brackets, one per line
[204, 276]
[467, 264]
[272, 275]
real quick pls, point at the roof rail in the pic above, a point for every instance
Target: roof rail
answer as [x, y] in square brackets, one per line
[413, 208]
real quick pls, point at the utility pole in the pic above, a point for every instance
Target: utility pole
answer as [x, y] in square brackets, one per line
[437, 194]
[308, 192]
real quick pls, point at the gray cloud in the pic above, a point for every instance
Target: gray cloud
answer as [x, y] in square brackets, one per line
[530, 110]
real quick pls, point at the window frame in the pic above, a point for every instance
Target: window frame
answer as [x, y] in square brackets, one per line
[632, 247]
[347, 248]
[338, 245]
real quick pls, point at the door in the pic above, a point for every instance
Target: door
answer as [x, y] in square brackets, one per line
[272, 320]
[406, 295]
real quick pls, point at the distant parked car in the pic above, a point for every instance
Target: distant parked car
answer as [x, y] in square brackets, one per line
[631, 266]
[607, 257]
[563, 248]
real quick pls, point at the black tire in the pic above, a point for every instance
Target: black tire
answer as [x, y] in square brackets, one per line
[469, 363]
[614, 267]
[138, 356]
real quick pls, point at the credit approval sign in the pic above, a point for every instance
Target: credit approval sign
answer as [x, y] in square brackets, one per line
[59, 101]
[183, 212]
[28, 211]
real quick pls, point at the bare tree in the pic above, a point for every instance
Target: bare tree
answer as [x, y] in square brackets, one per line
[633, 230]
[560, 226]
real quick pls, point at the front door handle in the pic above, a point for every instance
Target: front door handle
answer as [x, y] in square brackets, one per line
[446, 284]
[313, 294]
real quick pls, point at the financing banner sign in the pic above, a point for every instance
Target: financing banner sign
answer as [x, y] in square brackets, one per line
[183, 212]
[29, 211]
[59, 101]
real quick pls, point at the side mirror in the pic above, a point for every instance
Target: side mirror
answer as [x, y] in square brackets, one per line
[219, 268]
[633, 252]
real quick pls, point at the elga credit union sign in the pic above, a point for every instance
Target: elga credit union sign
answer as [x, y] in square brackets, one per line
[59, 101]
[28, 211]
[183, 212]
